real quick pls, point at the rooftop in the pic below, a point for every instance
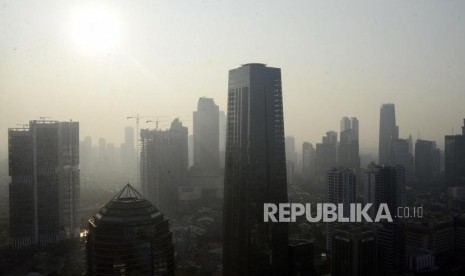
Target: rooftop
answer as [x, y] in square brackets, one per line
[127, 207]
[254, 64]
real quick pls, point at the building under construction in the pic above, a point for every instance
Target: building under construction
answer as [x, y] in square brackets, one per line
[164, 161]
[44, 188]
[129, 236]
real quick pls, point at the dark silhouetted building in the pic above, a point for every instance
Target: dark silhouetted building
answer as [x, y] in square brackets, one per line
[44, 189]
[348, 149]
[326, 155]
[454, 159]
[164, 165]
[206, 136]
[85, 156]
[400, 155]
[222, 122]
[129, 236]
[388, 131]
[341, 189]
[391, 245]
[435, 234]
[301, 258]
[205, 177]
[291, 159]
[255, 173]
[459, 223]
[385, 184]
[419, 260]
[308, 161]
[426, 162]
[354, 251]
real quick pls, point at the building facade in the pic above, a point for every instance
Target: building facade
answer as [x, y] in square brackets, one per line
[206, 136]
[454, 159]
[326, 155]
[164, 161]
[308, 162]
[400, 155]
[255, 173]
[348, 149]
[44, 188]
[341, 189]
[384, 184]
[129, 236]
[427, 166]
[388, 130]
[354, 251]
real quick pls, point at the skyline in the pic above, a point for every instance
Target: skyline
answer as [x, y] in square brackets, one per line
[337, 59]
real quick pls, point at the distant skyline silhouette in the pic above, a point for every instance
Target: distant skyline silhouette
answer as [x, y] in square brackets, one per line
[337, 59]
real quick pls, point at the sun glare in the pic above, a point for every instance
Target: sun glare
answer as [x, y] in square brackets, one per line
[95, 30]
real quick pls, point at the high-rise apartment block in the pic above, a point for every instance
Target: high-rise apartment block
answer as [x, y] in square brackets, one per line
[454, 159]
[255, 173]
[44, 189]
[164, 163]
[384, 184]
[341, 189]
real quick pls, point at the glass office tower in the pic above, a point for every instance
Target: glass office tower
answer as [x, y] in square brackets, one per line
[255, 173]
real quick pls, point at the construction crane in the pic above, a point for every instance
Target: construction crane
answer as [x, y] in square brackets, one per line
[156, 121]
[43, 118]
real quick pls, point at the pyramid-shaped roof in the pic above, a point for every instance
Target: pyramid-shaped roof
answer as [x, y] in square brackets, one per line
[128, 207]
[128, 193]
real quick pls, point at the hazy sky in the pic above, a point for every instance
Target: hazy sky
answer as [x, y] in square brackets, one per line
[98, 63]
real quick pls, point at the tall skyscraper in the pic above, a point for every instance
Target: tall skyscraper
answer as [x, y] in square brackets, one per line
[291, 159]
[308, 161]
[85, 155]
[400, 155]
[426, 162]
[391, 244]
[44, 188]
[326, 155]
[385, 184]
[222, 138]
[129, 236]
[348, 150]
[164, 165]
[388, 130]
[255, 173]
[341, 189]
[454, 159]
[206, 136]
[354, 251]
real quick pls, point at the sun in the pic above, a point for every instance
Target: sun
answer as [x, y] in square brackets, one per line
[95, 30]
